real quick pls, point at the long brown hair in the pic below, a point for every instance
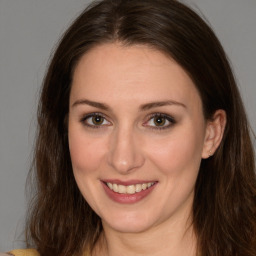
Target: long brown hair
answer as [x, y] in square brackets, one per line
[224, 210]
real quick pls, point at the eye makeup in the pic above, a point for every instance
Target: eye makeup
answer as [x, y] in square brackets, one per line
[159, 121]
[156, 121]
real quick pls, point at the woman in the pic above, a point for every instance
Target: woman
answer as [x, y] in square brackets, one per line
[143, 143]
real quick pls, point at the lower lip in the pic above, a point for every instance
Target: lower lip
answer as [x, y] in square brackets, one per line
[127, 198]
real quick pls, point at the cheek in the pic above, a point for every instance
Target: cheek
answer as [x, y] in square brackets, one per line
[85, 160]
[178, 153]
[86, 153]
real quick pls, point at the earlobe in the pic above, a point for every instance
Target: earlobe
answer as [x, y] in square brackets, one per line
[214, 133]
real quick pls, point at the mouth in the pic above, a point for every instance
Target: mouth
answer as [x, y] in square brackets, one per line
[130, 189]
[128, 192]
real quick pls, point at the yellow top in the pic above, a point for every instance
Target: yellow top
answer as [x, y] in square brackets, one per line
[24, 252]
[29, 252]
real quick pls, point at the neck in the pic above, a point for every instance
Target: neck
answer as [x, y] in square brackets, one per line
[176, 239]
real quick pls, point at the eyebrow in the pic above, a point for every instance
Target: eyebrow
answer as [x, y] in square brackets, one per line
[143, 107]
[150, 105]
[90, 103]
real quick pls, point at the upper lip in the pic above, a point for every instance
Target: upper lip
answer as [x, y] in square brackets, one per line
[128, 182]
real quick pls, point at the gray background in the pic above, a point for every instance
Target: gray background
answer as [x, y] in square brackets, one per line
[29, 30]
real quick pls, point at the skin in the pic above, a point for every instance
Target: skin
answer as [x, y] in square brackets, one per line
[129, 145]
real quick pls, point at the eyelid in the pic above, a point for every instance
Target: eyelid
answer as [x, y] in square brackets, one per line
[169, 118]
[87, 116]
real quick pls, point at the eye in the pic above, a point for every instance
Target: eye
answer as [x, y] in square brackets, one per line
[95, 120]
[160, 121]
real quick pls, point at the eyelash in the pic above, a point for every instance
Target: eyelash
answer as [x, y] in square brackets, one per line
[84, 120]
[166, 117]
[171, 120]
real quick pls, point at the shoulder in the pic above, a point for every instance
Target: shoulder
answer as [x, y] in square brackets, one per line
[27, 252]
[24, 252]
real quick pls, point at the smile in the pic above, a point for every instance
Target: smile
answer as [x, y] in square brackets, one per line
[128, 192]
[130, 189]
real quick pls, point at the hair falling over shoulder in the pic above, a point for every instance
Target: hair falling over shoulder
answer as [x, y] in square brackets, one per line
[60, 221]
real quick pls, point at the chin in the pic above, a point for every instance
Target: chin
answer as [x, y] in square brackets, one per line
[128, 223]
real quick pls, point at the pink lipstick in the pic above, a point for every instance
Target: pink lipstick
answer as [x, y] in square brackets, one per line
[128, 192]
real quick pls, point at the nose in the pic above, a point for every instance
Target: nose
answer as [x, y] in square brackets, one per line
[125, 152]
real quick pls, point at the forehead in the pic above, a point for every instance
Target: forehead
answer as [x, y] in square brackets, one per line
[114, 71]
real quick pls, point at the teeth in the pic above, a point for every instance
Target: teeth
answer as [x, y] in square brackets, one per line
[121, 189]
[144, 186]
[138, 188]
[131, 189]
[110, 185]
[115, 187]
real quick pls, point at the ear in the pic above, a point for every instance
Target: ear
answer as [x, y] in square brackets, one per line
[214, 132]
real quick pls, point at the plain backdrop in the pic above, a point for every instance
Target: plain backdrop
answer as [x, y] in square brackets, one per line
[29, 30]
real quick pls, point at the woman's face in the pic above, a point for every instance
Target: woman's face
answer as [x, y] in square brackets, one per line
[136, 136]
